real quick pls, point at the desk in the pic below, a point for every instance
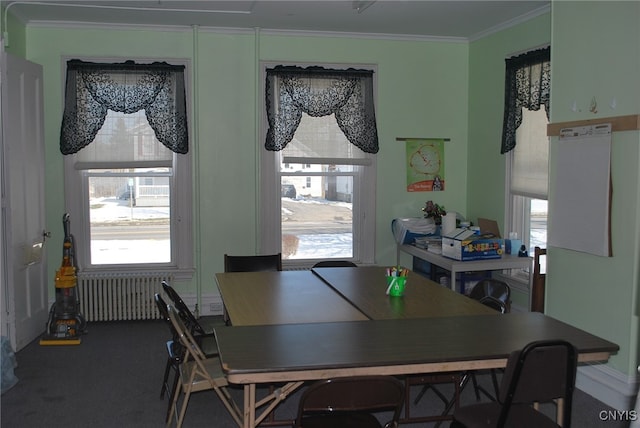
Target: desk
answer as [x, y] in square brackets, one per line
[295, 353]
[260, 298]
[507, 261]
[365, 288]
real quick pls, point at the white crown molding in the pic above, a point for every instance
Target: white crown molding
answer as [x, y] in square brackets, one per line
[238, 30]
[374, 36]
[103, 26]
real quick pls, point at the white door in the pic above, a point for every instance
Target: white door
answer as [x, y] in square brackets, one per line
[25, 286]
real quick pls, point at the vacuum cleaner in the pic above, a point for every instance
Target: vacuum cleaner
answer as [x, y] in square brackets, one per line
[65, 324]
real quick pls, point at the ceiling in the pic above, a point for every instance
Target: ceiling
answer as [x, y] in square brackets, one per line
[416, 18]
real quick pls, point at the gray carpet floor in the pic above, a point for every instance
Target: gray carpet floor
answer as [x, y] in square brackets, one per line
[113, 379]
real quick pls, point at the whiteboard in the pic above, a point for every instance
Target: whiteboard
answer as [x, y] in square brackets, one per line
[580, 206]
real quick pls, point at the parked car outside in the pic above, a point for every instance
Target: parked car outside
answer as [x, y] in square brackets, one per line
[288, 191]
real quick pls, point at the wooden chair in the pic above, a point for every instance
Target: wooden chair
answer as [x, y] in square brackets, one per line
[334, 263]
[350, 402]
[198, 373]
[261, 263]
[538, 281]
[542, 372]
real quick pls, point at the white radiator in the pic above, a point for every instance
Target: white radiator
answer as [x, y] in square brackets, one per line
[119, 297]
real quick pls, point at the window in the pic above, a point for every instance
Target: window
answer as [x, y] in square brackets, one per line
[528, 168]
[332, 211]
[524, 140]
[121, 181]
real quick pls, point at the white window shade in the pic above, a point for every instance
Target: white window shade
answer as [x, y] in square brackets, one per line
[321, 141]
[530, 163]
[124, 138]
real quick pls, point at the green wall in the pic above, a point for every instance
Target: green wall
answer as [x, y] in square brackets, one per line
[595, 53]
[422, 92]
[486, 171]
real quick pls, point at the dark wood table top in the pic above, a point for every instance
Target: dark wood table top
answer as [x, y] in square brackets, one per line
[274, 353]
[261, 298]
[365, 288]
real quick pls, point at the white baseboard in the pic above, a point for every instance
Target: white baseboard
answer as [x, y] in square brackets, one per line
[608, 385]
[211, 305]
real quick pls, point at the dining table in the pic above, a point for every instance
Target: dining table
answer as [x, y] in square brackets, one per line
[282, 297]
[429, 330]
[365, 287]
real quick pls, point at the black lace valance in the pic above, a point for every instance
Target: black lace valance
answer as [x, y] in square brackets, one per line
[317, 91]
[528, 85]
[94, 88]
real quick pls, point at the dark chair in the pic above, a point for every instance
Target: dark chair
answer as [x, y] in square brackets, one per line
[335, 263]
[262, 263]
[174, 354]
[173, 347]
[542, 372]
[350, 402]
[205, 338]
[187, 316]
[495, 294]
[430, 382]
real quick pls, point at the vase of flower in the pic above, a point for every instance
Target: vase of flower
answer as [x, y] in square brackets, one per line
[434, 211]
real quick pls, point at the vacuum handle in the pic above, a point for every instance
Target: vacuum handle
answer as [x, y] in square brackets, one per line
[65, 225]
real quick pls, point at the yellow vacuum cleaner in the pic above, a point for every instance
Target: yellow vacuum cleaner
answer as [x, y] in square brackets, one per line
[65, 324]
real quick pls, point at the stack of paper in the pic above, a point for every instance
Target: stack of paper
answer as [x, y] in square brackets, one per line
[406, 230]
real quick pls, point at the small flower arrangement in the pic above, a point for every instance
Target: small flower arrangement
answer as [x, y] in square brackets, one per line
[434, 211]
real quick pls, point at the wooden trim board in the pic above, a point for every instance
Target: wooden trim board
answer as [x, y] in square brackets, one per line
[618, 123]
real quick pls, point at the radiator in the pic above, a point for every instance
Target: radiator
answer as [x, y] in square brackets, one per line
[119, 297]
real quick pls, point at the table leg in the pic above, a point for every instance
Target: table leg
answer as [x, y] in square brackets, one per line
[271, 401]
[559, 410]
[249, 419]
[452, 283]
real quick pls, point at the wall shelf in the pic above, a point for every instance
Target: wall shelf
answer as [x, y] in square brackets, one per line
[618, 123]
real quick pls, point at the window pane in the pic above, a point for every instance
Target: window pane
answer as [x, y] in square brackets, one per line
[317, 216]
[538, 225]
[317, 220]
[129, 216]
